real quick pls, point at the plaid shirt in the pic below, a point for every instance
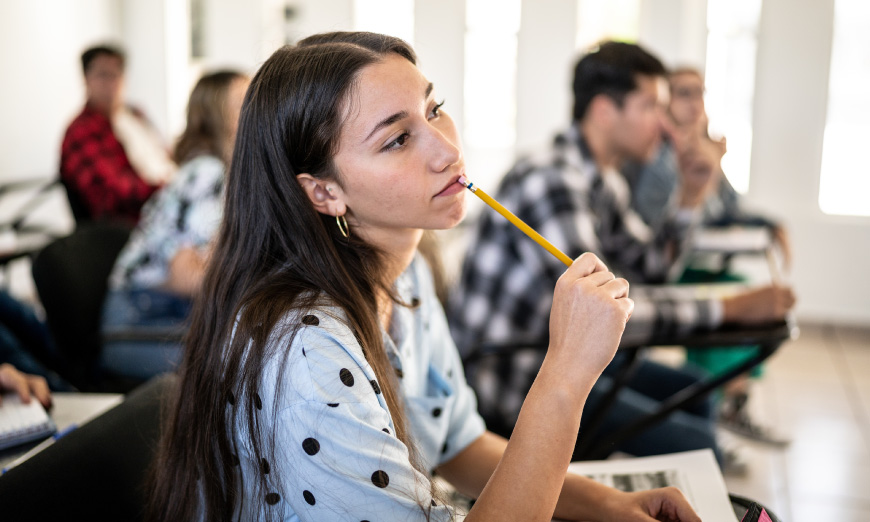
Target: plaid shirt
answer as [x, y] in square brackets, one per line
[506, 288]
[94, 166]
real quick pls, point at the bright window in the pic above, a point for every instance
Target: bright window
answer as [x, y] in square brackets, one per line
[730, 81]
[845, 182]
[490, 87]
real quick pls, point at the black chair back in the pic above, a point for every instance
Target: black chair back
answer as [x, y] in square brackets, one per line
[98, 471]
[71, 276]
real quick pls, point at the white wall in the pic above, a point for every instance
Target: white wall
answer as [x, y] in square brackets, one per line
[832, 252]
[43, 89]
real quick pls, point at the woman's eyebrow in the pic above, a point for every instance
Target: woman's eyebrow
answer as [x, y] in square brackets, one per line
[389, 120]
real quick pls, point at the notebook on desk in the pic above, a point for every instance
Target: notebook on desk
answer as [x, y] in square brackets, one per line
[21, 423]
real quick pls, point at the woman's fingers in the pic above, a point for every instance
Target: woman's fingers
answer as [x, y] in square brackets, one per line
[587, 263]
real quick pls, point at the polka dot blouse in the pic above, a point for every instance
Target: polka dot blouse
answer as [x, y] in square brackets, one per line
[334, 445]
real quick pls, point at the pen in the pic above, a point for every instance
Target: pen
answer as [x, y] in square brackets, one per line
[39, 447]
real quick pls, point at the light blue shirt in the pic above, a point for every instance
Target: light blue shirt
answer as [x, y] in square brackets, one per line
[329, 434]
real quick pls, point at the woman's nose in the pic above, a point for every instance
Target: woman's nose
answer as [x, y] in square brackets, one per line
[446, 150]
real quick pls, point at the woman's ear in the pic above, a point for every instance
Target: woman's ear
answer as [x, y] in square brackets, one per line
[324, 195]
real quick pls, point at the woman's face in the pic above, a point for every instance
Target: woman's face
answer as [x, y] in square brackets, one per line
[399, 155]
[235, 97]
[687, 98]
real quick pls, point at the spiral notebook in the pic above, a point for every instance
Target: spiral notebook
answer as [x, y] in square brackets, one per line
[21, 423]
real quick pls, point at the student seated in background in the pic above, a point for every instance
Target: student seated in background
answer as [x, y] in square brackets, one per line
[575, 197]
[319, 381]
[111, 159]
[161, 268]
[655, 183]
[12, 380]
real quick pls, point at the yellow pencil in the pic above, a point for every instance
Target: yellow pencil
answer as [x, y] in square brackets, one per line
[519, 223]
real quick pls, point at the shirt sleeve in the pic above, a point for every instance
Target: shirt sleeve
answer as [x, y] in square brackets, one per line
[669, 311]
[581, 213]
[335, 448]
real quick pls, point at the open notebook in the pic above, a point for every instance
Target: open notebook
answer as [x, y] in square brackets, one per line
[695, 473]
[21, 423]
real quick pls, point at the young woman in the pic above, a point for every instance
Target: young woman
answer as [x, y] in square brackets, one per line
[320, 381]
[162, 266]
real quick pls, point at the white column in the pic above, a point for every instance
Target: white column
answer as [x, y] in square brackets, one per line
[545, 60]
[439, 33]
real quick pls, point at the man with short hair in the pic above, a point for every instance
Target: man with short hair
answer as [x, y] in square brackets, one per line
[112, 159]
[575, 197]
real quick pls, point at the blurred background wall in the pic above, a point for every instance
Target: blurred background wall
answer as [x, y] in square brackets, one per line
[786, 84]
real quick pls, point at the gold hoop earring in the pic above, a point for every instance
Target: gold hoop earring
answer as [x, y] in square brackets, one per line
[342, 225]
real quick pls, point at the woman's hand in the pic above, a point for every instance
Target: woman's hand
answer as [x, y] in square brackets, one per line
[589, 312]
[665, 505]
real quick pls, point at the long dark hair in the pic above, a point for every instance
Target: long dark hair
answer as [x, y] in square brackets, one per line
[274, 253]
[208, 129]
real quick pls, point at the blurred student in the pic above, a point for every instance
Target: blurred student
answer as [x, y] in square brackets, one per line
[161, 268]
[112, 159]
[26, 343]
[656, 182]
[575, 197]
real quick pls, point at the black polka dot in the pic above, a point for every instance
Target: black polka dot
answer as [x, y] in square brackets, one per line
[399, 373]
[231, 398]
[433, 503]
[444, 448]
[303, 353]
[380, 479]
[311, 320]
[234, 459]
[415, 302]
[386, 430]
[265, 467]
[273, 498]
[436, 412]
[346, 377]
[311, 446]
[309, 497]
[332, 404]
[257, 401]
[376, 387]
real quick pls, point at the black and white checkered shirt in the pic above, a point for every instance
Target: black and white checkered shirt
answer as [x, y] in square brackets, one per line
[506, 288]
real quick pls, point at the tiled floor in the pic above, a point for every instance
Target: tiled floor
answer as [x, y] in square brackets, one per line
[816, 390]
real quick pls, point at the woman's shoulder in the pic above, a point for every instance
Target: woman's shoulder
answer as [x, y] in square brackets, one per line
[316, 353]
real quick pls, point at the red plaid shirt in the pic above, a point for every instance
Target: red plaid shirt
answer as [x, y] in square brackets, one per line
[94, 166]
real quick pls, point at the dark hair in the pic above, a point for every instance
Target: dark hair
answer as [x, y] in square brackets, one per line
[101, 50]
[207, 130]
[274, 253]
[611, 69]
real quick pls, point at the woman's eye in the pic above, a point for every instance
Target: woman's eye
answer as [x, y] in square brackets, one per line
[436, 111]
[398, 142]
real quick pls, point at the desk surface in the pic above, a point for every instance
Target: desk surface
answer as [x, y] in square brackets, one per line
[69, 408]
